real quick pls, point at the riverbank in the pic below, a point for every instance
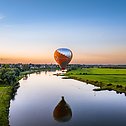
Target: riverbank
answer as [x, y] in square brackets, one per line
[6, 94]
[104, 78]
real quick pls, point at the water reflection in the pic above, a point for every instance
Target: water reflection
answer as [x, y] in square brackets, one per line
[36, 103]
[62, 112]
[38, 72]
[25, 77]
[14, 91]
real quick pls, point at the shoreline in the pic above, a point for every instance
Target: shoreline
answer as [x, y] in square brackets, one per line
[101, 86]
[8, 94]
[103, 78]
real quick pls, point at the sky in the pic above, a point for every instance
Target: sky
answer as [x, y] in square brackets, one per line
[31, 30]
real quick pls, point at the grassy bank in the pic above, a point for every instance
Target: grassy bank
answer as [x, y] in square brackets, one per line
[5, 96]
[29, 72]
[106, 79]
[6, 93]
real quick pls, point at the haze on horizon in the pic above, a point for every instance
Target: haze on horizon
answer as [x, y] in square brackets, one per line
[95, 30]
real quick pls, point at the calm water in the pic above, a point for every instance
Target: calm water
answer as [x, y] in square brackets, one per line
[37, 103]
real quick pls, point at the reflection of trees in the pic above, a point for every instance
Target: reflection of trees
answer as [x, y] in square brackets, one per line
[25, 77]
[62, 111]
[14, 91]
[38, 72]
[45, 72]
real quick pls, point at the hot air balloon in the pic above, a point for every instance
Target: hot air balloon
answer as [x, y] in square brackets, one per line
[63, 56]
[62, 112]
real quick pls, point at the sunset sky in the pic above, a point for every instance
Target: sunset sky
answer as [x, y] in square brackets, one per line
[31, 30]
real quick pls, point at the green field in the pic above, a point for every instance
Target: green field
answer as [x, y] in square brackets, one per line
[104, 78]
[6, 95]
[100, 71]
[4, 104]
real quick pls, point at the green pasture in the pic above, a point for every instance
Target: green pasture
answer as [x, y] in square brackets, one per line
[97, 71]
[105, 78]
[4, 104]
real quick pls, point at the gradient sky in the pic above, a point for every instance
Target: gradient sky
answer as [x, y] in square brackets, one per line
[31, 30]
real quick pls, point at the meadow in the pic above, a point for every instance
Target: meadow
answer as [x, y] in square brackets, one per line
[5, 96]
[105, 78]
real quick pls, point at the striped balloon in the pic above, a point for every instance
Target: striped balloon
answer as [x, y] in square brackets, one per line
[63, 56]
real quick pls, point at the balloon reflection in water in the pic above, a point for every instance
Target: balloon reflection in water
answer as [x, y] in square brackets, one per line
[62, 112]
[63, 56]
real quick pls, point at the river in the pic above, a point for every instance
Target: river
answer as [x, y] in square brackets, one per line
[48, 100]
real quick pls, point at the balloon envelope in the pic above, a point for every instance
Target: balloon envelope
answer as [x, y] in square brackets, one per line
[63, 56]
[62, 112]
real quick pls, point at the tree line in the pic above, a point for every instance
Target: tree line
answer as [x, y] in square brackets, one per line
[9, 76]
